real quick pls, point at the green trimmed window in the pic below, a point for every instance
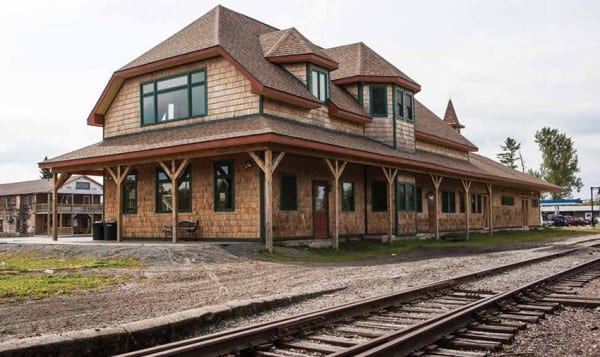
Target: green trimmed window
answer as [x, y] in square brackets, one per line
[164, 192]
[476, 203]
[347, 196]
[410, 115]
[289, 193]
[461, 202]
[419, 200]
[130, 193]
[175, 97]
[224, 186]
[319, 83]
[379, 196]
[535, 203]
[399, 102]
[507, 200]
[378, 102]
[406, 196]
[448, 202]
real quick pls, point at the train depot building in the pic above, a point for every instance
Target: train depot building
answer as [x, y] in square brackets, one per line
[256, 133]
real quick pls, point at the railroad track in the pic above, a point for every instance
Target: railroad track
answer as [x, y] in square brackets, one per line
[358, 327]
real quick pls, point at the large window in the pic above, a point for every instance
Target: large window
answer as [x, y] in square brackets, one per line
[378, 196]
[461, 202]
[448, 202]
[476, 206]
[410, 115]
[319, 85]
[130, 193]
[507, 200]
[535, 203]
[176, 97]
[289, 193]
[164, 192]
[224, 190]
[347, 196]
[406, 196]
[378, 100]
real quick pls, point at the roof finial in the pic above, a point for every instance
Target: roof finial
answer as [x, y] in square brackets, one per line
[451, 118]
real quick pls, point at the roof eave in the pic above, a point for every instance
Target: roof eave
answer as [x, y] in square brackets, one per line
[415, 87]
[305, 57]
[336, 111]
[444, 142]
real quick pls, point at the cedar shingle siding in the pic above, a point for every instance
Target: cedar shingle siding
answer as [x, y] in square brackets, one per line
[258, 98]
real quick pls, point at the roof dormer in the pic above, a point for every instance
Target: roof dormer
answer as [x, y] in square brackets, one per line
[289, 46]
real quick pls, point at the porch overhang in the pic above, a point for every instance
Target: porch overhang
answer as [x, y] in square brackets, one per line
[293, 138]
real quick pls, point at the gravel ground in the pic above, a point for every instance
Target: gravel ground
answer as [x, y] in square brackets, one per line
[184, 277]
[569, 332]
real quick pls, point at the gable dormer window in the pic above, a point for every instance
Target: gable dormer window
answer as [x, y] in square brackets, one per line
[400, 102]
[378, 100]
[319, 83]
[175, 97]
[409, 107]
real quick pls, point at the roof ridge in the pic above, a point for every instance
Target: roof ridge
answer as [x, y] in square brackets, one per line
[285, 34]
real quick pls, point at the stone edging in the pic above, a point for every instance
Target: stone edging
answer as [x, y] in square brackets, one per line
[149, 332]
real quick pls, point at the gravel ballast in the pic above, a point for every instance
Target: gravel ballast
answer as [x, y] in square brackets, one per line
[186, 277]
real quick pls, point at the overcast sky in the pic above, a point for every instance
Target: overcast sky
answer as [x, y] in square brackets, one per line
[510, 67]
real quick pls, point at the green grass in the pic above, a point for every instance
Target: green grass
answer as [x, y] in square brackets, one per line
[33, 260]
[37, 286]
[22, 276]
[368, 249]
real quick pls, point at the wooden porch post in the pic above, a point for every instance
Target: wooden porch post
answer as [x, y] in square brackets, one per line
[173, 173]
[390, 176]
[437, 182]
[268, 166]
[467, 187]
[118, 177]
[57, 181]
[336, 170]
[48, 213]
[491, 207]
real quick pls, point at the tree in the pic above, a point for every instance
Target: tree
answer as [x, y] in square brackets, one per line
[510, 153]
[45, 173]
[559, 161]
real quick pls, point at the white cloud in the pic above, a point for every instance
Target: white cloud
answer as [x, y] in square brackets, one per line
[511, 67]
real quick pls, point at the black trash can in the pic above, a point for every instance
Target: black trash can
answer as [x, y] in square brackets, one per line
[110, 229]
[98, 230]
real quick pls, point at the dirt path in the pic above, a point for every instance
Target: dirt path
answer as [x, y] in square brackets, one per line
[183, 277]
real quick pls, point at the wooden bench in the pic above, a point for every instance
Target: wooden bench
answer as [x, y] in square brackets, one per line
[187, 228]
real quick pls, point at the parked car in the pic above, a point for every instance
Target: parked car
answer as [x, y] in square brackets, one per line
[561, 221]
[576, 221]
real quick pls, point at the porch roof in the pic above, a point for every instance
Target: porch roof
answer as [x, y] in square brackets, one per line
[263, 129]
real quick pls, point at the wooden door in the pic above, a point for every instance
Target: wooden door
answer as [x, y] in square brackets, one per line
[431, 213]
[320, 210]
[485, 208]
[525, 210]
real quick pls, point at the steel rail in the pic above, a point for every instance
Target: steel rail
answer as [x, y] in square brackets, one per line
[247, 337]
[405, 343]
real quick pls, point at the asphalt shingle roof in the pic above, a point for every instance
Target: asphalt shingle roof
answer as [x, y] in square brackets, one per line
[428, 123]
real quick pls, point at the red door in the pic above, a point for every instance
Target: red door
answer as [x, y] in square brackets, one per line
[320, 210]
[486, 211]
[431, 213]
[525, 209]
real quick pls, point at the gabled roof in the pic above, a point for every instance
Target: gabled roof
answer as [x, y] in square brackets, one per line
[220, 32]
[430, 127]
[36, 186]
[359, 63]
[288, 46]
[450, 116]
[26, 187]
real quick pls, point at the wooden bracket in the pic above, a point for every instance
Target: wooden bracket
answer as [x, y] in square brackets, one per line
[337, 169]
